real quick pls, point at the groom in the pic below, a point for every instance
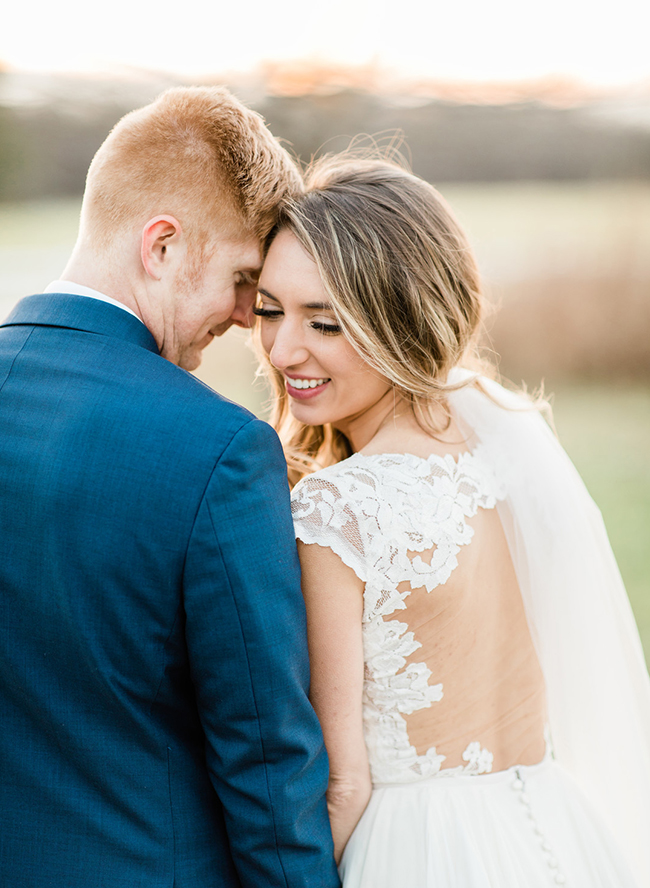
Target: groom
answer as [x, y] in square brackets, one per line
[155, 726]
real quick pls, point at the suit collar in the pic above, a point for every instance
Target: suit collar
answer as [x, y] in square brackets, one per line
[80, 313]
[73, 289]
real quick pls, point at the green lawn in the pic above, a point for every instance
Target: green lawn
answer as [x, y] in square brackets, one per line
[606, 431]
[43, 223]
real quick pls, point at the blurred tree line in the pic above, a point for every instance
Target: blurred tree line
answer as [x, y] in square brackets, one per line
[565, 259]
[46, 146]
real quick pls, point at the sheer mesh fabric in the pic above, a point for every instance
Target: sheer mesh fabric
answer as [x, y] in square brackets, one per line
[452, 682]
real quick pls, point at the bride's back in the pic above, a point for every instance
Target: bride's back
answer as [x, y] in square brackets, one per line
[474, 638]
[452, 677]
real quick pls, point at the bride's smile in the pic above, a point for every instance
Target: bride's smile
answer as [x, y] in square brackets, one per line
[326, 379]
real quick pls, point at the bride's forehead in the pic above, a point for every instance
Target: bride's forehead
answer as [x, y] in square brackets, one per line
[287, 248]
[289, 272]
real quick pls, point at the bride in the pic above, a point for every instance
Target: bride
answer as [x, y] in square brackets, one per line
[475, 664]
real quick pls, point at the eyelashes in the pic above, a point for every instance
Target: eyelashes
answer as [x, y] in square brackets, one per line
[269, 313]
[327, 329]
[272, 314]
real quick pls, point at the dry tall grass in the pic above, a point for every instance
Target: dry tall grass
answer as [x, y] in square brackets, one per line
[575, 327]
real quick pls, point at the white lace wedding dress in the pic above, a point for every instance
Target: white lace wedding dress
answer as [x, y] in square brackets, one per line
[466, 791]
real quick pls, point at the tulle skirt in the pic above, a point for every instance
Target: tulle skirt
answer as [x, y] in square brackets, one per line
[527, 827]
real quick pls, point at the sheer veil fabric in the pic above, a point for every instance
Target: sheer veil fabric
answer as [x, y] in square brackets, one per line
[597, 683]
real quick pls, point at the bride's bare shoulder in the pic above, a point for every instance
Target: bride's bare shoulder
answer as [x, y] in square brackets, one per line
[406, 435]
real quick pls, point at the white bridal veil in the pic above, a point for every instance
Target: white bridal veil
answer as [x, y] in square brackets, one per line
[579, 614]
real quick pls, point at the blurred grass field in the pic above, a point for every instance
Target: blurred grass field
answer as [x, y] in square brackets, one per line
[536, 244]
[606, 431]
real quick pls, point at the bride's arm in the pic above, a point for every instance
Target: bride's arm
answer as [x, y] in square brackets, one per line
[334, 601]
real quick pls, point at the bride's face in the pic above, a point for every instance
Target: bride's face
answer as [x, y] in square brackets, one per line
[326, 380]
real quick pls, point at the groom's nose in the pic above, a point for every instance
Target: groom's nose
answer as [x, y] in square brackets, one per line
[242, 314]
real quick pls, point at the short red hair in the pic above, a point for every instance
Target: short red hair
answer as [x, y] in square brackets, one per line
[195, 153]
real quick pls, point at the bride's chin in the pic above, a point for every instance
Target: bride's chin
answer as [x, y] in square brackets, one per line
[308, 417]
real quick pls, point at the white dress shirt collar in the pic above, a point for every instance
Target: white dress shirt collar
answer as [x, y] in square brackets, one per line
[79, 290]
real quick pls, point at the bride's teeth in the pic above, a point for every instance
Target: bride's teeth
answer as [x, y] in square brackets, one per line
[306, 383]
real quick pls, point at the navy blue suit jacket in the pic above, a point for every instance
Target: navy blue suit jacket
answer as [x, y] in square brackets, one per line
[154, 722]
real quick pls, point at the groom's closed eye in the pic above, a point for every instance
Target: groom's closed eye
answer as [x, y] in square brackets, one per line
[248, 278]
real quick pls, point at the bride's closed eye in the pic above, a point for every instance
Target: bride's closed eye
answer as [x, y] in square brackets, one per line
[326, 329]
[270, 313]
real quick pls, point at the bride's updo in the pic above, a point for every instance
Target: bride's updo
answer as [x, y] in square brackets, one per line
[402, 281]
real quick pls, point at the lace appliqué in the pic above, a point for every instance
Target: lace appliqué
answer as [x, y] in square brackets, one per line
[377, 513]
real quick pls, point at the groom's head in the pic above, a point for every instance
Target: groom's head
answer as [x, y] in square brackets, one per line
[178, 201]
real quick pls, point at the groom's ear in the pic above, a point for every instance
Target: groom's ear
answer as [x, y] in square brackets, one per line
[161, 238]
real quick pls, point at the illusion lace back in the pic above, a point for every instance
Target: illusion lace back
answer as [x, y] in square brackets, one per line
[452, 685]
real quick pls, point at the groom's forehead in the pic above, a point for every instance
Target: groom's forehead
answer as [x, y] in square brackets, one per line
[243, 253]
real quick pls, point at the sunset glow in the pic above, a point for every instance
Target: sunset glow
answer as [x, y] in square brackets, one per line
[471, 41]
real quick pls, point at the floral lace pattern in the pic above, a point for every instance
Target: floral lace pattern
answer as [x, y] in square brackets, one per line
[379, 514]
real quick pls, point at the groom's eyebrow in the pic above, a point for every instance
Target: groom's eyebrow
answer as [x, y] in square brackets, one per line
[250, 275]
[317, 306]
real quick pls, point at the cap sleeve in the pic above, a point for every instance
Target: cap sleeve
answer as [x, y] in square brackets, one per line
[327, 510]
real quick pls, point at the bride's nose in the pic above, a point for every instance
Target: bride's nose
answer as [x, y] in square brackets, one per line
[287, 349]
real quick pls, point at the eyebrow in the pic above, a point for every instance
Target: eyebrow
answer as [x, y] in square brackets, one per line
[317, 306]
[250, 275]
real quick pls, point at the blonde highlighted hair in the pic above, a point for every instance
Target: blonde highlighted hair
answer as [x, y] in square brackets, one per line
[195, 153]
[403, 284]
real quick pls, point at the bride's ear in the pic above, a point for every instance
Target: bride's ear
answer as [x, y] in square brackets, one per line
[161, 241]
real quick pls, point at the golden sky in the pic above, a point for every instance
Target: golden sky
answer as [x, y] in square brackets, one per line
[604, 44]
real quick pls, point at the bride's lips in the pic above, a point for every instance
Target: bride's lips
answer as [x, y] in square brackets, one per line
[303, 394]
